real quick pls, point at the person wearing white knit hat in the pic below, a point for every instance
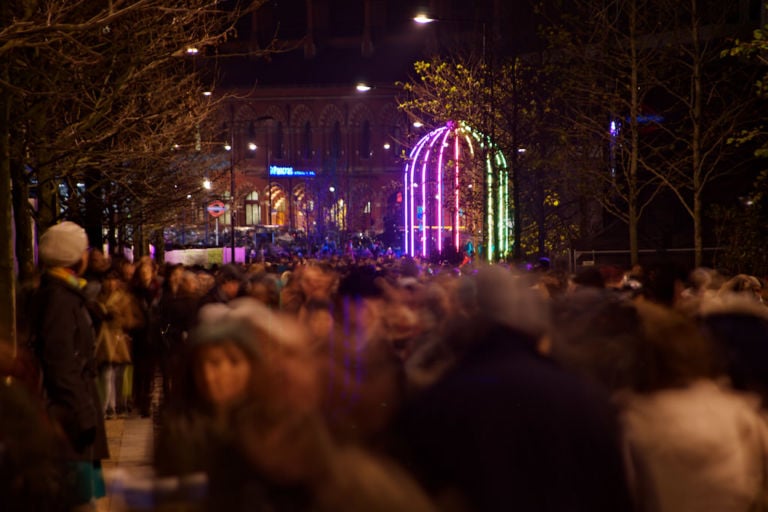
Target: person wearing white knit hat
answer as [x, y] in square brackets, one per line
[64, 342]
[63, 245]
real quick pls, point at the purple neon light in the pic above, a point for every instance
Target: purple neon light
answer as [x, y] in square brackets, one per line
[405, 200]
[424, 208]
[440, 192]
[456, 191]
[411, 227]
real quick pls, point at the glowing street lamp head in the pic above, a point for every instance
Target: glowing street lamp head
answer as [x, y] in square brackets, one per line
[362, 87]
[422, 19]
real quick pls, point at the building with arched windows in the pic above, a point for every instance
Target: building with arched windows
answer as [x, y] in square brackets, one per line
[314, 159]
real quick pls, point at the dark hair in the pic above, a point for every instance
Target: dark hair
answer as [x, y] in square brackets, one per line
[742, 342]
[673, 352]
[230, 272]
[589, 276]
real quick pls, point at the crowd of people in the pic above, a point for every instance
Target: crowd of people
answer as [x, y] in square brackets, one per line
[391, 384]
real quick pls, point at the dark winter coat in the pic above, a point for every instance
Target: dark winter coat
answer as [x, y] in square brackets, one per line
[64, 341]
[512, 431]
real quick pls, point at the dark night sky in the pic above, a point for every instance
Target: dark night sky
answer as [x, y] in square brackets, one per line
[398, 41]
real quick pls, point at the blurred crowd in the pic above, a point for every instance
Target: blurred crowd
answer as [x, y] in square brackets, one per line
[389, 384]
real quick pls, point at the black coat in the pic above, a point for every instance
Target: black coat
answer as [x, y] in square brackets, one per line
[512, 431]
[64, 341]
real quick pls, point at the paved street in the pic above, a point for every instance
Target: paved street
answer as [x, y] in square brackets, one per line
[130, 445]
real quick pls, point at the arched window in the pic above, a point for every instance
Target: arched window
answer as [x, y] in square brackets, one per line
[336, 141]
[306, 141]
[252, 210]
[365, 140]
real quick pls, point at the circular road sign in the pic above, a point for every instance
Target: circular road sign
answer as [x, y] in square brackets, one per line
[216, 208]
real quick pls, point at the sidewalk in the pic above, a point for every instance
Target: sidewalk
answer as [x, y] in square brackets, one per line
[130, 447]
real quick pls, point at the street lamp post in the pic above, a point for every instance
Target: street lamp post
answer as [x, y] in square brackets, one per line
[232, 201]
[232, 148]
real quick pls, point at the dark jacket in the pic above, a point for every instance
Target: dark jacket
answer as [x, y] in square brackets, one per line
[512, 431]
[64, 342]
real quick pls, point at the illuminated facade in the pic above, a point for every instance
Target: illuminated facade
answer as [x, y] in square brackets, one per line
[456, 191]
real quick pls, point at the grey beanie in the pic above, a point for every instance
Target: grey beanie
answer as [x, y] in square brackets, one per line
[62, 245]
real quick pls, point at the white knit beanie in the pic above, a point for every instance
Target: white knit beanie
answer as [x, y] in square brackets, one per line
[62, 245]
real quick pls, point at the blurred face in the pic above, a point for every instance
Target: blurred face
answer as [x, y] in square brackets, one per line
[230, 288]
[223, 373]
[98, 261]
[146, 273]
[188, 283]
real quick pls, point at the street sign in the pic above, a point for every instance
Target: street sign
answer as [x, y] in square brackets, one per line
[216, 208]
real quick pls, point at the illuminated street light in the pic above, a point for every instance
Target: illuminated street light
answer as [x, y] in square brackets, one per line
[207, 93]
[252, 146]
[418, 124]
[423, 19]
[228, 147]
[362, 87]
[192, 50]
[207, 184]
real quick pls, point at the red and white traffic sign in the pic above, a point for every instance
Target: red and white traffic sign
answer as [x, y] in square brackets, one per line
[216, 208]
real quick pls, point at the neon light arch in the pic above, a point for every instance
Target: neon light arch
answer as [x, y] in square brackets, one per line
[443, 174]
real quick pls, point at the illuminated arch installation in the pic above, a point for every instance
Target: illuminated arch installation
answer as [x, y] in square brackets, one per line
[438, 182]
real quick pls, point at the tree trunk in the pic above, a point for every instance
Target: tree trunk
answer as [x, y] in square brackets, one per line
[23, 225]
[7, 274]
[697, 237]
[47, 200]
[94, 211]
[159, 242]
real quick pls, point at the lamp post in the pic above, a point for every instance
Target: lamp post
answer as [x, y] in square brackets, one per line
[232, 202]
[232, 148]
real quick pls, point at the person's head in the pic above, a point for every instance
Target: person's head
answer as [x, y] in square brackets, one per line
[172, 278]
[223, 356]
[673, 352]
[744, 284]
[98, 262]
[589, 277]
[596, 333]
[738, 325]
[229, 279]
[145, 273]
[110, 283]
[64, 245]
[189, 283]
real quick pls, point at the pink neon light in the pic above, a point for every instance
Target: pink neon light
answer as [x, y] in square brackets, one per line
[440, 193]
[405, 209]
[424, 204]
[456, 191]
[429, 141]
[411, 227]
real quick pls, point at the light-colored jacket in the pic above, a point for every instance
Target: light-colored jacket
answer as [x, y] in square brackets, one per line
[701, 448]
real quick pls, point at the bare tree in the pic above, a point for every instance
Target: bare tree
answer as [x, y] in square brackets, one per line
[97, 99]
[605, 53]
[707, 101]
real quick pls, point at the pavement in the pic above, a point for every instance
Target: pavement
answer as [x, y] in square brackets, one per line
[130, 463]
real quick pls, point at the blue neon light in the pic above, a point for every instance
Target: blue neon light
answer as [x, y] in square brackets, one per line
[276, 170]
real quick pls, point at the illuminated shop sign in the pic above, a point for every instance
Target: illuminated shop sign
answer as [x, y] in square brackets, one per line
[276, 170]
